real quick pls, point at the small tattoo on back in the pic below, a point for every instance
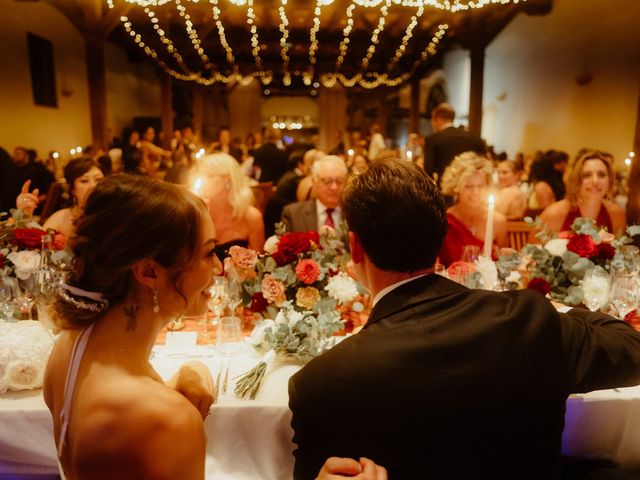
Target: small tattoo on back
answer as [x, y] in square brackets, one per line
[132, 316]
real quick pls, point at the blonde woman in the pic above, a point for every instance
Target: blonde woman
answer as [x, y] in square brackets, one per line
[229, 198]
[467, 180]
[510, 200]
[588, 189]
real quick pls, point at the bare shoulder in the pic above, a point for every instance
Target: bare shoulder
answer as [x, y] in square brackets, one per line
[253, 215]
[554, 214]
[150, 430]
[618, 216]
[58, 219]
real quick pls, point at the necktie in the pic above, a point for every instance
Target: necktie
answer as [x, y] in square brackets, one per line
[329, 220]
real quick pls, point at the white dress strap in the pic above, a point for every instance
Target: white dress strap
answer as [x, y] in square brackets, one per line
[70, 383]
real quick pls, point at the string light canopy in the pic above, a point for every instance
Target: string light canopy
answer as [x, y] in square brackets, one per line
[365, 43]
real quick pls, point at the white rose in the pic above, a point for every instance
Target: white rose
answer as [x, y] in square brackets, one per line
[271, 245]
[26, 263]
[557, 246]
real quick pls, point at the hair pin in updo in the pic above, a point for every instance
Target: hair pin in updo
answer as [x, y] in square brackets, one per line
[99, 302]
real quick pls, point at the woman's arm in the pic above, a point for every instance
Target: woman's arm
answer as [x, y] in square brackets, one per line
[618, 217]
[255, 223]
[544, 194]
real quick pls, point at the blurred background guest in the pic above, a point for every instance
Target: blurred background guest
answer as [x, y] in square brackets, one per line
[467, 179]
[132, 154]
[359, 164]
[22, 167]
[510, 200]
[305, 187]
[588, 195]
[229, 198]
[269, 162]
[545, 180]
[154, 158]
[376, 142]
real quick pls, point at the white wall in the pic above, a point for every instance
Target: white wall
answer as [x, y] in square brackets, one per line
[531, 98]
[132, 90]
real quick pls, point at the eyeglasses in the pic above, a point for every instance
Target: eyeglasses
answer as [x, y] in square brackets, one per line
[327, 182]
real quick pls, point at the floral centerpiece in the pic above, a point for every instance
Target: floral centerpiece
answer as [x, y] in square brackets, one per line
[298, 290]
[557, 266]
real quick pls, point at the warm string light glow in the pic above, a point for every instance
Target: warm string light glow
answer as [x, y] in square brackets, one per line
[193, 35]
[344, 44]
[223, 38]
[284, 46]
[407, 36]
[375, 36]
[255, 43]
[307, 77]
[166, 41]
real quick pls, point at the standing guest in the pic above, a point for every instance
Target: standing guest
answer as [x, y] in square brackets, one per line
[588, 192]
[23, 168]
[153, 157]
[132, 154]
[360, 164]
[269, 159]
[229, 198]
[225, 145]
[329, 174]
[467, 180]
[471, 383]
[376, 142]
[447, 141]
[82, 176]
[510, 200]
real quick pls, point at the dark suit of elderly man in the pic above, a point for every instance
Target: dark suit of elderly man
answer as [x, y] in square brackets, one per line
[444, 382]
[329, 174]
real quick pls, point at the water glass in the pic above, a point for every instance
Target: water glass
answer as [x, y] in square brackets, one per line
[219, 298]
[27, 293]
[230, 340]
[595, 286]
[470, 253]
[9, 293]
[624, 295]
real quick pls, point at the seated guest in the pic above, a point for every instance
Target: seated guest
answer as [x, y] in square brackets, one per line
[305, 187]
[545, 180]
[588, 191]
[360, 163]
[329, 174]
[510, 200]
[466, 180]
[285, 191]
[82, 175]
[22, 168]
[229, 197]
[470, 383]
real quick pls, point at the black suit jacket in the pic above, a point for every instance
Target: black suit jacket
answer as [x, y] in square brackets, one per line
[442, 147]
[449, 383]
[301, 216]
[272, 162]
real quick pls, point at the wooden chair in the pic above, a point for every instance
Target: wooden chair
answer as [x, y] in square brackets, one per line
[519, 234]
[262, 193]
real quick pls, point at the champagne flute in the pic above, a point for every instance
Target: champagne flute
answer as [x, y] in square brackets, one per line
[595, 286]
[8, 296]
[218, 301]
[624, 294]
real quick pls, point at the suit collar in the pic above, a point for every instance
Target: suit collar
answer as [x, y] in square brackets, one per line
[411, 293]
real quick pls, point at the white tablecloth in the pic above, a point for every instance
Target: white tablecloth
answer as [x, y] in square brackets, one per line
[251, 440]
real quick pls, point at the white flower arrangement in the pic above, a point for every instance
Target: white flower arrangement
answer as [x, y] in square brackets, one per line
[342, 288]
[26, 263]
[24, 350]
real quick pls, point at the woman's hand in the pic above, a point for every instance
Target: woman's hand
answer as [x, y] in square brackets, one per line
[27, 201]
[336, 468]
[195, 383]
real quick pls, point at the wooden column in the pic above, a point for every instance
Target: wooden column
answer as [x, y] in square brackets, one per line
[383, 111]
[476, 87]
[414, 111]
[94, 47]
[196, 107]
[166, 108]
[633, 197]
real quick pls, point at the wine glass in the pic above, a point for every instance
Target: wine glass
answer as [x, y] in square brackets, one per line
[8, 295]
[219, 298]
[27, 293]
[470, 253]
[624, 294]
[595, 286]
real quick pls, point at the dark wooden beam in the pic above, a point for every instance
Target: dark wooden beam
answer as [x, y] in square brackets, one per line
[476, 89]
[196, 95]
[166, 108]
[414, 111]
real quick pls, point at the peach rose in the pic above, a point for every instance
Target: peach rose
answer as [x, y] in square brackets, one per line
[243, 262]
[307, 297]
[273, 290]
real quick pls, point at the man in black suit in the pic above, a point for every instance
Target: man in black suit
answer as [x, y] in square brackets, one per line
[271, 161]
[444, 382]
[447, 141]
[329, 174]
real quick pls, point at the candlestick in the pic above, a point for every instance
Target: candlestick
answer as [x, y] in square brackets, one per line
[488, 231]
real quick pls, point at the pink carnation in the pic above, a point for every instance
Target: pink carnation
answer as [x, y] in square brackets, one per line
[273, 290]
[308, 271]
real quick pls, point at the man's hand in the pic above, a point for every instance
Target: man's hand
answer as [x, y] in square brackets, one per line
[27, 201]
[336, 468]
[194, 381]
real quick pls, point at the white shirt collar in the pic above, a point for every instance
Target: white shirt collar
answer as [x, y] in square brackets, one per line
[392, 287]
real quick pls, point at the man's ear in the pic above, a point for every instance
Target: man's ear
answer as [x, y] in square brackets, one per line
[357, 252]
[145, 272]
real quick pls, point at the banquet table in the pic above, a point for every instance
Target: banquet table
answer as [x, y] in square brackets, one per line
[251, 439]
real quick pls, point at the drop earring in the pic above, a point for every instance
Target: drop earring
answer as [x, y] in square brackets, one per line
[156, 304]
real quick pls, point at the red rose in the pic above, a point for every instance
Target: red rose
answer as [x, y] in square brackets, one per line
[539, 285]
[293, 244]
[583, 245]
[258, 302]
[631, 316]
[606, 251]
[28, 238]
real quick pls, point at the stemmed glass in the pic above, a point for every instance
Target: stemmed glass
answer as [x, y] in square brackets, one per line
[595, 286]
[470, 253]
[624, 294]
[27, 293]
[8, 294]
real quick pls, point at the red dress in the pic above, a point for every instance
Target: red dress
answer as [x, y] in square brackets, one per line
[603, 220]
[458, 235]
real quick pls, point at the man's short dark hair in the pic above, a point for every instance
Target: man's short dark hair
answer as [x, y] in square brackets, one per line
[444, 111]
[398, 213]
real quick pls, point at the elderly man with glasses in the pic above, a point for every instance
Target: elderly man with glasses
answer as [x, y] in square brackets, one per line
[329, 174]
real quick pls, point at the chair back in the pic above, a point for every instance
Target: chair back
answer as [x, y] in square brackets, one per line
[519, 234]
[262, 193]
[52, 201]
